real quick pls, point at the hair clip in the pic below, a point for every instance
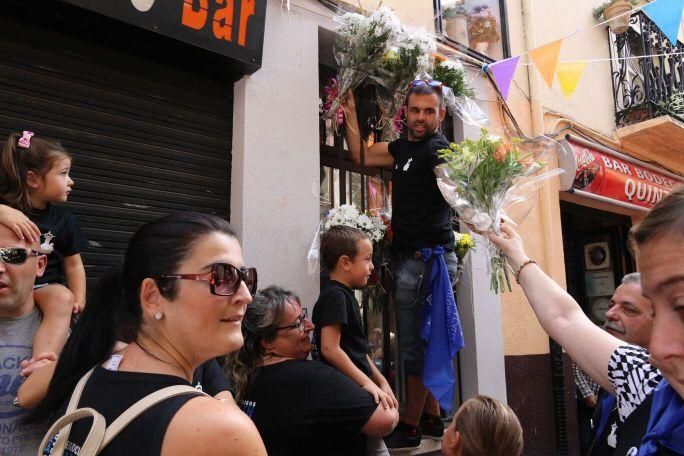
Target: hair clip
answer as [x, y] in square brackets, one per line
[25, 141]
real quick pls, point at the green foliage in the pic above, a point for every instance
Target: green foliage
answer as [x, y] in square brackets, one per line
[454, 77]
[482, 169]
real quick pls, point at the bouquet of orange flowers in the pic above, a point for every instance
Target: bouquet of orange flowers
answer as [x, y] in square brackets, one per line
[483, 176]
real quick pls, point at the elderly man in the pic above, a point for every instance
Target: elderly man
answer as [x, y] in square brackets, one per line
[630, 318]
[19, 319]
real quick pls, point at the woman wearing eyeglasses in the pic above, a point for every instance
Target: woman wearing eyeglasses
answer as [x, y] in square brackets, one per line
[178, 300]
[300, 407]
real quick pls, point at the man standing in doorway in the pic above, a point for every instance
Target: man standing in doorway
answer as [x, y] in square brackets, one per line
[19, 320]
[630, 318]
[421, 219]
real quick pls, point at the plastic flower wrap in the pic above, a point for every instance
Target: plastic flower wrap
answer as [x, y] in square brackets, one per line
[401, 65]
[457, 92]
[361, 43]
[481, 177]
[347, 215]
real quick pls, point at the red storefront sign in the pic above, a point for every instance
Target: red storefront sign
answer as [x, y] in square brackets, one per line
[621, 180]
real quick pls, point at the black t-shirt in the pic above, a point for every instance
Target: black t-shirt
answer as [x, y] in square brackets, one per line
[111, 393]
[338, 305]
[68, 239]
[420, 215]
[209, 378]
[304, 408]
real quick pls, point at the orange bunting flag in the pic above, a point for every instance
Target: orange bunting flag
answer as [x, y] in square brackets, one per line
[569, 75]
[545, 58]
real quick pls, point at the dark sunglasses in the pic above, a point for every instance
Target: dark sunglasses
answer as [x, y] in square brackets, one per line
[15, 255]
[224, 279]
[299, 323]
[433, 84]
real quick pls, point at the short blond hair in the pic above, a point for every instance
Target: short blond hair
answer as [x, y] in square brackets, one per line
[488, 427]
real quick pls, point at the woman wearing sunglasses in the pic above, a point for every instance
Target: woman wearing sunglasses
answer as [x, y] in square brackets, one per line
[300, 407]
[178, 300]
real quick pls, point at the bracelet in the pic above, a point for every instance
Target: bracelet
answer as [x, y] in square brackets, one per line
[522, 266]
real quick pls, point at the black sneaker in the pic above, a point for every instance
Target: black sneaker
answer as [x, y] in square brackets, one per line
[404, 437]
[432, 426]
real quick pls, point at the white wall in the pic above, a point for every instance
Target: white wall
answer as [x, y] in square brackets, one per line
[275, 166]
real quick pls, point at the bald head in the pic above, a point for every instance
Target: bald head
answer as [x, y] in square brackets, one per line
[16, 280]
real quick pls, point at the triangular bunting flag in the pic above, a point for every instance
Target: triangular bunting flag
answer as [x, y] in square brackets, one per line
[569, 75]
[667, 15]
[503, 72]
[545, 58]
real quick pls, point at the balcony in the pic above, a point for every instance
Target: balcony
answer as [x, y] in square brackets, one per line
[649, 92]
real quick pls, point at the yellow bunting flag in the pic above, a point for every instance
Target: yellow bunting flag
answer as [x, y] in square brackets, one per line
[569, 75]
[545, 58]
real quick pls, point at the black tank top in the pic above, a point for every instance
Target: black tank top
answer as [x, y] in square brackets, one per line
[111, 393]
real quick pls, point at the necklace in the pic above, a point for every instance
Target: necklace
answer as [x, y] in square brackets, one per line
[157, 357]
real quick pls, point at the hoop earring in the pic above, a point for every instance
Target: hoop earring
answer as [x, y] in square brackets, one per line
[158, 316]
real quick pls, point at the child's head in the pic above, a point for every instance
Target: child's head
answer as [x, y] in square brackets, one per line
[483, 426]
[348, 253]
[33, 166]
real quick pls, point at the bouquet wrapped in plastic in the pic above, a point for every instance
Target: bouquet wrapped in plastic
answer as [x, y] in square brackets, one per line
[483, 177]
[411, 57]
[360, 46]
[457, 92]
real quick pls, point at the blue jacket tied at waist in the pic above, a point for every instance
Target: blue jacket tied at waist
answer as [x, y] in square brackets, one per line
[441, 328]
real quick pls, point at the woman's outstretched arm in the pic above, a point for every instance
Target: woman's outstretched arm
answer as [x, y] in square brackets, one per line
[558, 313]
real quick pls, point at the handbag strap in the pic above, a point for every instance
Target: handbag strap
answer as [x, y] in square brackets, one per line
[63, 425]
[144, 404]
[93, 441]
[60, 443]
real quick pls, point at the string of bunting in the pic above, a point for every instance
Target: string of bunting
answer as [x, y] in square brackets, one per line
[666, 14]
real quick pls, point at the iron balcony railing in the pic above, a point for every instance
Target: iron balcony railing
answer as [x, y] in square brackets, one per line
[647, 73]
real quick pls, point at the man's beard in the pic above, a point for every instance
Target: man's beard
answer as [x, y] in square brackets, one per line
[427, 131]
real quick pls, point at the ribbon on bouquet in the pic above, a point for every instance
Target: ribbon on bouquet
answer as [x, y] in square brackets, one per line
[440, 330]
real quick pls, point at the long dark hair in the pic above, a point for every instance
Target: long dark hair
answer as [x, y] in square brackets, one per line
[18, 161]
[113, 312]
[260, 323]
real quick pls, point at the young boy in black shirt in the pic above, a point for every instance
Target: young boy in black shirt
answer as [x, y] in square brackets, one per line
[338, 337]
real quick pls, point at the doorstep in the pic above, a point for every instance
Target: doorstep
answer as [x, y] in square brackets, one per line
[428, 447]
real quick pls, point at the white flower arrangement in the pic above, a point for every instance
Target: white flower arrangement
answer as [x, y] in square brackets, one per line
[349, 215]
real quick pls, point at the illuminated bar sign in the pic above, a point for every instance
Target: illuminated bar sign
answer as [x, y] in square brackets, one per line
[618, 179]
[234, 28]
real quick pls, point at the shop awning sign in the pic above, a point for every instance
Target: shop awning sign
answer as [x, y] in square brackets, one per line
[234, 28]
[615, 176]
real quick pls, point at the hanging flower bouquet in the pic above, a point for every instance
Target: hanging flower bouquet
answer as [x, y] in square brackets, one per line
[480, 178]
[457, 92]
[400, 66]
[349, 215]
[361, 43]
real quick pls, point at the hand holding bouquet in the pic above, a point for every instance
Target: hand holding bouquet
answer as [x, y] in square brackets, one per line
[480, 177]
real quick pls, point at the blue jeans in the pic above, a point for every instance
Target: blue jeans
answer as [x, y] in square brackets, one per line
[408, 280]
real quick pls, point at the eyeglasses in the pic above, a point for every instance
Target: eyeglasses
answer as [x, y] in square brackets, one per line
[299, 323]
[433, 84]
[16, 256]
[224, 279]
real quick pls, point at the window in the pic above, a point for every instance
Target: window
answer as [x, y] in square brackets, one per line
[477, 24]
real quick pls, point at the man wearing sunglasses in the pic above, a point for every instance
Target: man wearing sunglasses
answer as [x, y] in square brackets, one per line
[20, 264]
[421, 218]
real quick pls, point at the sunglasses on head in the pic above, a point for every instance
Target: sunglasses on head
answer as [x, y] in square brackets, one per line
[15, 255]
[224, 279]
[433, 84]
